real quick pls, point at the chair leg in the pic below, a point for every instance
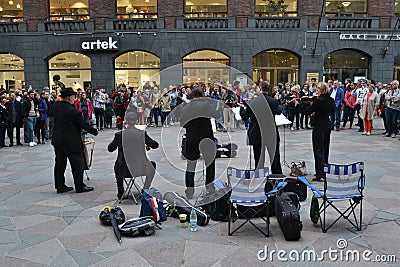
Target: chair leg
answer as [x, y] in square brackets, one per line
[229, 218]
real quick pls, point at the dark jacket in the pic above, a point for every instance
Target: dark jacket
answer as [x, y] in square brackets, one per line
[323, 107]
[3, 116]
[68, 125]
[254, 133]
[18, 109]
[196, 120]
[43, 108]
[26, 107]
[121, 167]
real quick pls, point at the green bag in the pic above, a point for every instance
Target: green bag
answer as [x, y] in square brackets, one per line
[314, 209]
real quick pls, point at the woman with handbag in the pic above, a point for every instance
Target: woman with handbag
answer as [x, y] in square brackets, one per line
[368, 107]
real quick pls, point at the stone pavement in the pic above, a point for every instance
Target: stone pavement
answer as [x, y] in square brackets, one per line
[40, 228]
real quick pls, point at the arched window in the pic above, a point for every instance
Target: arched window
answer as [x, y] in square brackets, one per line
[135, 9]
[74, 70]
[136, 68]
[205, 67]
[206, 8]
[69, 10]
[276, 66]
[273, 8]
[346, 63]
[11, 11]
[346, 8]
[11, 72]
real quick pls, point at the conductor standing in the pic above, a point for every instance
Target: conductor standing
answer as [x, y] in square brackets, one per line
[67, 142]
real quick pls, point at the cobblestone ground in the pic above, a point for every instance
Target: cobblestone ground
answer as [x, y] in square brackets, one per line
[40, 228]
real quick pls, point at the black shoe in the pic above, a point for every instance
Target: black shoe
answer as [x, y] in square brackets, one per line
[317, 180]
[85, 189]
[65, 189]
[10, 145]
[120, 195]
[360, 130]
[19, 144]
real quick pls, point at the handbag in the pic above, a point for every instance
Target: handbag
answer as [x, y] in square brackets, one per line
[298, 169]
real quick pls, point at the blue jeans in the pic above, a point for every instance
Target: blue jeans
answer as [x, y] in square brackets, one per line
[335, 118]
[391, 120]
[31, 121]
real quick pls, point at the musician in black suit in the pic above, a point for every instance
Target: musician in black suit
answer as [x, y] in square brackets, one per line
[135, 149]
[196, 120]
[67, 142]
[259, 138]
[321, 110]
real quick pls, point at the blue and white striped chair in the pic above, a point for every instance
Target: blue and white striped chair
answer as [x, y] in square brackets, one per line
[343, 182]
[248, 189]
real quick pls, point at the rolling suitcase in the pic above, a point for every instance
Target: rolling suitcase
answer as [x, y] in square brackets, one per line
[184, 207]
[288, 217]
[295, 186]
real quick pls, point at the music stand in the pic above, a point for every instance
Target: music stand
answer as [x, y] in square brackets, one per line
[282, 120]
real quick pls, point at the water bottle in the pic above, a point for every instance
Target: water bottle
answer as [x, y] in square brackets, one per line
[193, 221]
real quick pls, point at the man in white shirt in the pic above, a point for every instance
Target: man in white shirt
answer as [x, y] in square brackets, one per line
[361, 90]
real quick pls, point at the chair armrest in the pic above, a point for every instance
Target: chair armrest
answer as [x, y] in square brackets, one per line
[304, 180]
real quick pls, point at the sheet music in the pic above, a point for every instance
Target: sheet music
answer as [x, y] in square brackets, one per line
[281, 120]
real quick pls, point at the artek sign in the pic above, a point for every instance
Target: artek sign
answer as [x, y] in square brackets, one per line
[99, 44]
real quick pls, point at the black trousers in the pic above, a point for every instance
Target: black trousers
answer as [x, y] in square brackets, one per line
[190, 171]
[76, 162]
[320, 140]
[10, 132]
[99, 113]
[259, 156]
[360, 121]
[2, 135]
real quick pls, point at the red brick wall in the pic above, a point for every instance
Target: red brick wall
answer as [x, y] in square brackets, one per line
[100, 10]
[36, 12]
[241, 7]
[170, 10]
[309, 7]
[383, 9]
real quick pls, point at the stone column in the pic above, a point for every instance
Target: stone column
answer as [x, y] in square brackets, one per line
[100, 11]
[170, 10]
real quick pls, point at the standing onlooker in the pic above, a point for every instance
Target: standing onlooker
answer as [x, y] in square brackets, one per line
[174, 98]
[349, 110]
[230, 100]
[293, 106]
[368, 106]
[29, 108]
[337, 94]
[98, 102]
[85, 107]
[120, 98]
[140, 106]
[155, 107]
[15, 119]
[146, 106]
[304, 117]
[3, 120]
[361, 90]
[392, 98]
[165, 105]
[50, 103]
[382, 105]
[41, 117]
[109, 112]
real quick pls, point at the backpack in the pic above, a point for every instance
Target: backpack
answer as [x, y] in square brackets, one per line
[152, 205]
[119, 100]
[215, 203]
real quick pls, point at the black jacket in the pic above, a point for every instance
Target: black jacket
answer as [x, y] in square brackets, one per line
[68, 125]
[322, 107]
[26, 107]
[254, 133]
[121, 167]
[196, 120]
[3, 116]
[18, 110]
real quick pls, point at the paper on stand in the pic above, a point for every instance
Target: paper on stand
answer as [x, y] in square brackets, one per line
[281, 120]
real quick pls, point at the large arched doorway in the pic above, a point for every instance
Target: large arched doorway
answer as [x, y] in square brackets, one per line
[136, 68]
[205, 67]
[276, 66]
[346, 63]
[74, 70]
[11, 73]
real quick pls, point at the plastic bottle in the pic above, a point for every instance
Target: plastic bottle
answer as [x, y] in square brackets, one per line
[193, 221]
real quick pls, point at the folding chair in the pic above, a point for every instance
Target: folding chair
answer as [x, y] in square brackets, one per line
[248, 189]
[343, 182]
[130, 182]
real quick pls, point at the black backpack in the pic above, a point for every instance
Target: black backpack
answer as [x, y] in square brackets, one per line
[119, 100]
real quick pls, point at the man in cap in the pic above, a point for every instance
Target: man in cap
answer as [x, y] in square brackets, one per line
[67, 142]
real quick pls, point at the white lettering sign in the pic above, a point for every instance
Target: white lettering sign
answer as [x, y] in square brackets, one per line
[99, 44]
[368, 36]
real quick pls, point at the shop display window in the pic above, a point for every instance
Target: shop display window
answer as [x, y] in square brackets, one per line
[206, 8]
[11, 11]
[69, 10]
[348, 8]
[276, 8]
[136, 9]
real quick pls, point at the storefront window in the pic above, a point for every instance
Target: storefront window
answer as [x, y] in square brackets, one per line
[135, 9]
[345, 63]
[11, 73]
[136, 68]
[276, 8]
[11, 11]
[69, 10]
[397, 7]
[74, 70]
[276, 66]
[206, 67]
[347, 8]
[206, 8]
[396, 72]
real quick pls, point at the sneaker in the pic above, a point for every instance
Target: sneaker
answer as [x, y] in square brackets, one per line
[291, 128]
[31, 144]
[34, 143]
[172, 124]
[368, 133]
[387, 135]
[364, 133]
[393, 135]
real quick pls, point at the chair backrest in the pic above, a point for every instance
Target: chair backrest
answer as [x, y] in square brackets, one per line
[344, 181]
[248, 185]
[135, 151]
